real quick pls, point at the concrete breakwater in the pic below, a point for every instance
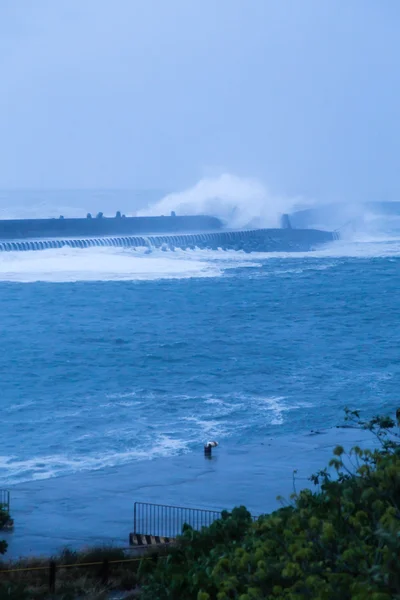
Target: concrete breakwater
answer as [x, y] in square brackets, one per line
[252, 240]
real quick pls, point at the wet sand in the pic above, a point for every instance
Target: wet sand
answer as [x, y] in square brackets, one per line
[96, 507]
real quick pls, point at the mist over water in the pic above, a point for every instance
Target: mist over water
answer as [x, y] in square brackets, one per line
[351, 219]
[34, 204]
[238, 202]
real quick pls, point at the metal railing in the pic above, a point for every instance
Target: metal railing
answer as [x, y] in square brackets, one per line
[5, 501]
[167, 521]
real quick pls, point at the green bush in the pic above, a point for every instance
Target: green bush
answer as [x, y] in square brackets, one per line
[4, 519]
[90, 554]
[29, 578]
[4, 516]
[340, 541]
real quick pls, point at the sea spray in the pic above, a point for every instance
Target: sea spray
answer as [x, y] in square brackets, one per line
[239, 202]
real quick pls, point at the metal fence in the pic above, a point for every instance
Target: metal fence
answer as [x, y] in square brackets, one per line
[5, 500]
[167, 521]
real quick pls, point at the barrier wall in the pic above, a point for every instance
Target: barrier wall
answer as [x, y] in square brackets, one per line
[262, 240]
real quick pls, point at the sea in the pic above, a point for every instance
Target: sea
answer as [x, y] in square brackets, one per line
[115, 357]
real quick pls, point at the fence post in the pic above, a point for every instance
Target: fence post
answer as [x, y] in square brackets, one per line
[105, 571]
[5, 500]
[52, 577]
[134, 518]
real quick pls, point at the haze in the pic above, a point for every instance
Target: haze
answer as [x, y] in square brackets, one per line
[156, 94]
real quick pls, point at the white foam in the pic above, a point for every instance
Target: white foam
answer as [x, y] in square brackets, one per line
[240, 202]
[358, 248]
[207, 427]
[99, 264]
[143, 433]
[118, 264]
[45, 467]
[277, 405]
[18, 407]
[214, 401]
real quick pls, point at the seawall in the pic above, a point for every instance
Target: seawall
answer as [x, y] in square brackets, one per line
[13, 229]
[261, 240]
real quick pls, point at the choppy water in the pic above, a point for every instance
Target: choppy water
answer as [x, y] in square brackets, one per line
[110, 356]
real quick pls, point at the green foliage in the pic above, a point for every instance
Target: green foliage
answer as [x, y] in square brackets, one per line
[4, 519]
[89, 555]
[29, 577]
[13, 592]
[4, 516]
[340, 541]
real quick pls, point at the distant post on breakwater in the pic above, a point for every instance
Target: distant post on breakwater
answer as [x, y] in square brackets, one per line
[208, 448]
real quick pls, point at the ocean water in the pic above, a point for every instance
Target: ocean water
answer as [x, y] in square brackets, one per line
[111, 356]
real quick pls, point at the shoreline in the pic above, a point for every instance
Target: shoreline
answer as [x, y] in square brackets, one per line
[92, 508]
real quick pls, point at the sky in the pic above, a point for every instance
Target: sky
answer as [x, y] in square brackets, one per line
[303, 95]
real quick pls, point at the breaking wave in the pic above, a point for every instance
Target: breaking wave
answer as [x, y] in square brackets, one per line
[132, 437]
[237, 201]
[116, 264]
[141, 264]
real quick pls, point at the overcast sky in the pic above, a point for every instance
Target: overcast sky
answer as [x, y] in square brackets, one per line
[302, 94]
